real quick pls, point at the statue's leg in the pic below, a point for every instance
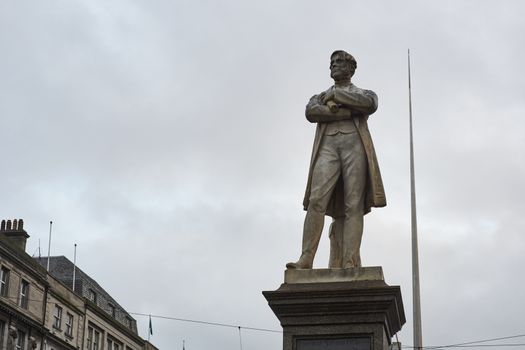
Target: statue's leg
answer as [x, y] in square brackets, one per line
[326, 171]
[354, 169]
[336, 243]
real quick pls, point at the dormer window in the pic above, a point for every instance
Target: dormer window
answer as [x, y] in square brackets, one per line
[112, 310]
[92, 296]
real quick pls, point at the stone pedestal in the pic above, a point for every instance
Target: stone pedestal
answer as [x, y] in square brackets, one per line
[337, 309]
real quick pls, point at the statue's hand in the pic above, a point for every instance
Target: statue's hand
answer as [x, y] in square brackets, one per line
[334, 107]
[328, 96]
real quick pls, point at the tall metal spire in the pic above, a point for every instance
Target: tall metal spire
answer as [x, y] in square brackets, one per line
[416, 298]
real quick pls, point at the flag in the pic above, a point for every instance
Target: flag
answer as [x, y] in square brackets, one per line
[150, 326]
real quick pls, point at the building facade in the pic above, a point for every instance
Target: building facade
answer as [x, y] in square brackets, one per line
[48, 310]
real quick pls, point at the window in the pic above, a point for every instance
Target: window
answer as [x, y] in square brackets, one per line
[92, 296]
[4, 281]
[24, 294]
[112, 310]
[96, 340]
[20, 340]
[2, 330]
[57, 317]
[113, 344]
[89, 337]
[69, 324]
[93, 341]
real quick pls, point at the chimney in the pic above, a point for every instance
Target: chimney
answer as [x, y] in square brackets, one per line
[15, 232]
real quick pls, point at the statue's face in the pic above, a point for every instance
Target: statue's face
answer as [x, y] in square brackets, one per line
[339, 68]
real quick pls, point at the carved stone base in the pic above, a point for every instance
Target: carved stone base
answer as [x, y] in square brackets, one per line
[352, 309]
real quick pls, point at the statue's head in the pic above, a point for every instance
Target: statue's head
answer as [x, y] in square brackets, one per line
[342, 65]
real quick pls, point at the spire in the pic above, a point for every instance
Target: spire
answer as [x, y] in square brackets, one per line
[416, 298]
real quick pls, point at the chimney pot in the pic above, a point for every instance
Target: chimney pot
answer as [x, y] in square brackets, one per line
[14, 231]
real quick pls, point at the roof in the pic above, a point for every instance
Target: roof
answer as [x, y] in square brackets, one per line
[61, 268]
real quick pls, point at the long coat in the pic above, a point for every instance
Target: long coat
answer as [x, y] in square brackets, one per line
[375, 193]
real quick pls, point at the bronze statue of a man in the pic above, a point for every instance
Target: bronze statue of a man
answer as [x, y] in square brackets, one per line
[344, 179]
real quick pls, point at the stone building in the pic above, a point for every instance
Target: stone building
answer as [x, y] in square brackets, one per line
[41, 310]
[106, 321]
[23, 291]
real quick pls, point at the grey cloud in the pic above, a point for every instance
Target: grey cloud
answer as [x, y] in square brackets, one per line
[168, 140]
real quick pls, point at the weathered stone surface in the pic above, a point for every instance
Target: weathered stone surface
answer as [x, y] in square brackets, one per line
[344, 180]
[372, 273]
[349, 311]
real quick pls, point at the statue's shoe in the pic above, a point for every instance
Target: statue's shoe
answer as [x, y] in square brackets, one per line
[299, 265]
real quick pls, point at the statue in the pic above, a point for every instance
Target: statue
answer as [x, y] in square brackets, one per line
[344, 181]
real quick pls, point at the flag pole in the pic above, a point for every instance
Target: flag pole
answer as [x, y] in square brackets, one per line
[416, 298]
[49, 245]
[74, 266]
[150, 328]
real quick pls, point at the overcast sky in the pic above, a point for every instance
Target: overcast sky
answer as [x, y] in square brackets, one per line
[168, 140]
